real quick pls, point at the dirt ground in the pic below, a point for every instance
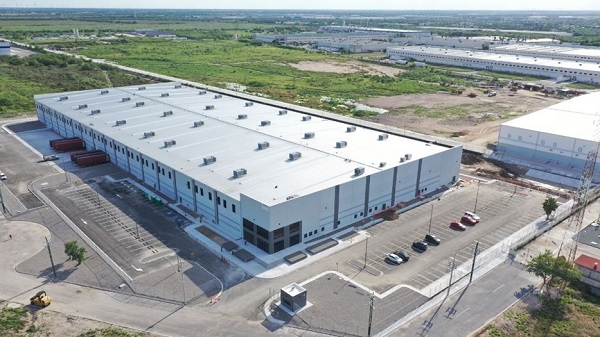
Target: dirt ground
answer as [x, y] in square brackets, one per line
[346, 68]
[470, 120]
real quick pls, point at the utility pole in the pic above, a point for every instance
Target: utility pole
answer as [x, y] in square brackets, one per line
[476, 197]
[452, 264]
[180, 270]
[474, 259]
[430, 218]
[51, 260]
[366, 248]
[370, 315]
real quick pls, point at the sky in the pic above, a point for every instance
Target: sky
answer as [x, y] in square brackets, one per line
[536, 5]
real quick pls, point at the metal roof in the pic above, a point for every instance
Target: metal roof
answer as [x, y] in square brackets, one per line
[588, 262]
[559, 51]
[575, 118]
[504, 58]
[271, 175]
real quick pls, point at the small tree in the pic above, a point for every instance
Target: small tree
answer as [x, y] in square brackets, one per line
[553, 270]
[75, 252]
[542, 266]
[550, 205]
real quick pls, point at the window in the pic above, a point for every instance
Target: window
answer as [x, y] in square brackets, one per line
[188, 185]
[248, 225]
[169, 174]
[278, 233]
[233, 208]
[218, 200]
[209, 195]
[295, 227]
[278, 246]
[309, 233]
[355, 216]
[201, 191]
[295, 239]
[305, 235]
[224, 203]
[322, 229]
[196, 189]
[152, 166]
[361, 213]
[262, 245]
[370, 210]
[315, 232]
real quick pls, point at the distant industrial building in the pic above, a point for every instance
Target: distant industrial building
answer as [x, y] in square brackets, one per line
[558, 137]
[5, 48]
[251, 169]
[560, 70]
[555, 52]
[381, 31]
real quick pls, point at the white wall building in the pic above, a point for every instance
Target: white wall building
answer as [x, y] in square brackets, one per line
[555, 52]
[254, 171]
[581, 71]
[559, 136]
[4, 48]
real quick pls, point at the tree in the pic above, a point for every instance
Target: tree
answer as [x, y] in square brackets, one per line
[75, 252]
[553, 270]
[550, 205]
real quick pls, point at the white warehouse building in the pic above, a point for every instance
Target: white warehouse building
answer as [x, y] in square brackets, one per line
[4, 48]
[581, 71]
[556, 52]
[251, 170]
[559, 136]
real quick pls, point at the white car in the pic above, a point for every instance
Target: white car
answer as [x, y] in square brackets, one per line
[394, 258]
[2, 176]
[473, 216]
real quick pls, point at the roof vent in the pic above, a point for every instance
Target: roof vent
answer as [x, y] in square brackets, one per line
[408, 156]
[125, 99]
[103, 92]
[239, 173]
[359, 170]
[138, 104]
[341, 144]
[149, 134]
[402, 159]
[295, 155]
[177, 86]
[167, 113]
[218, 96]
[383, 136]
[202, 92]
[351, 129]
[95, 112]
[242, 116]
[209, 160]
[170, 142]
[63, 98]
[263, 145]
[141, 88]
[283, 112]
[249, 104]
[198, 124]
[265, 123]
[121, 122]
[309, 135]
[210, 107]
[82, 106]
[305, 118]
[166, 94]
[382, 164]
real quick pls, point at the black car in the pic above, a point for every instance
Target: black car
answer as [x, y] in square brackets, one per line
[402, 254]
[420, 245]
[432, 240]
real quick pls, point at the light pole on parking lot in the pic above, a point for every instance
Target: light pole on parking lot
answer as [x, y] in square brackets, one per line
[366, 248]
[476, 197]
[430, 218]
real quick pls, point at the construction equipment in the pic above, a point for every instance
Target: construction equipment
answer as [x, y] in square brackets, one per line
[41, 299]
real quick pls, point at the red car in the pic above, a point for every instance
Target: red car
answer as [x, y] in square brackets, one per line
[457, 225]
[467, 220]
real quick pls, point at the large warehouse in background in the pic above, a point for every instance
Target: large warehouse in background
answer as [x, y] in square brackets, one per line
[558, 69]
[273, 177]
[4, 48]
[557, 137]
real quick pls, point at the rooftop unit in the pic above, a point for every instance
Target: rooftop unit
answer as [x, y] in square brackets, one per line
[242, 116]
[166, 94]
[248, 104]
[218, 96]
[139, 104]
[309, 135]
[305, 118]
[263, 145]
[359, 170]
[341, 144]
[82, 106]
[210, 107]
[383, 136]
[239, 173]
[177, 86]
[63, 98]
[202, 92]
[402, 159]
[149, 134]
[141, 88]
[209, 160]
[295, 155]
[283, 112]
[167, 113]
[408, 156]
[121, 122]
[265, 123]
[382, 164]
[125, 99]
[103, 92]
[95, 112]
[169, 143]
[351, 129]
[198, 123]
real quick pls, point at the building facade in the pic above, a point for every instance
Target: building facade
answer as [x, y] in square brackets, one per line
[254, 171]
[4, 48]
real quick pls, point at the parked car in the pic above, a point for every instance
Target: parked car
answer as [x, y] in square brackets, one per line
[492, 94]
[420, 245]
[472, 216]
[432, 240]
[50, 157]
[457, 225]
[468, 221]
[403, 255]
[2, 176]
[393, 258]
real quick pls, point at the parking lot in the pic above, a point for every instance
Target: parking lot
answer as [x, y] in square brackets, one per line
[502, 208]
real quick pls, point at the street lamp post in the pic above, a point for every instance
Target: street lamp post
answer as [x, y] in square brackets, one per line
[430, 218]
[366, 248]
[476, 197]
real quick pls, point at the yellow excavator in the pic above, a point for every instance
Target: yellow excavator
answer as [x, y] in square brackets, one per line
[41, 299]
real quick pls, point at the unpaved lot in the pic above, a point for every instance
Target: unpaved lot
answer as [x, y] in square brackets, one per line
[346, 68]
[469, 120]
